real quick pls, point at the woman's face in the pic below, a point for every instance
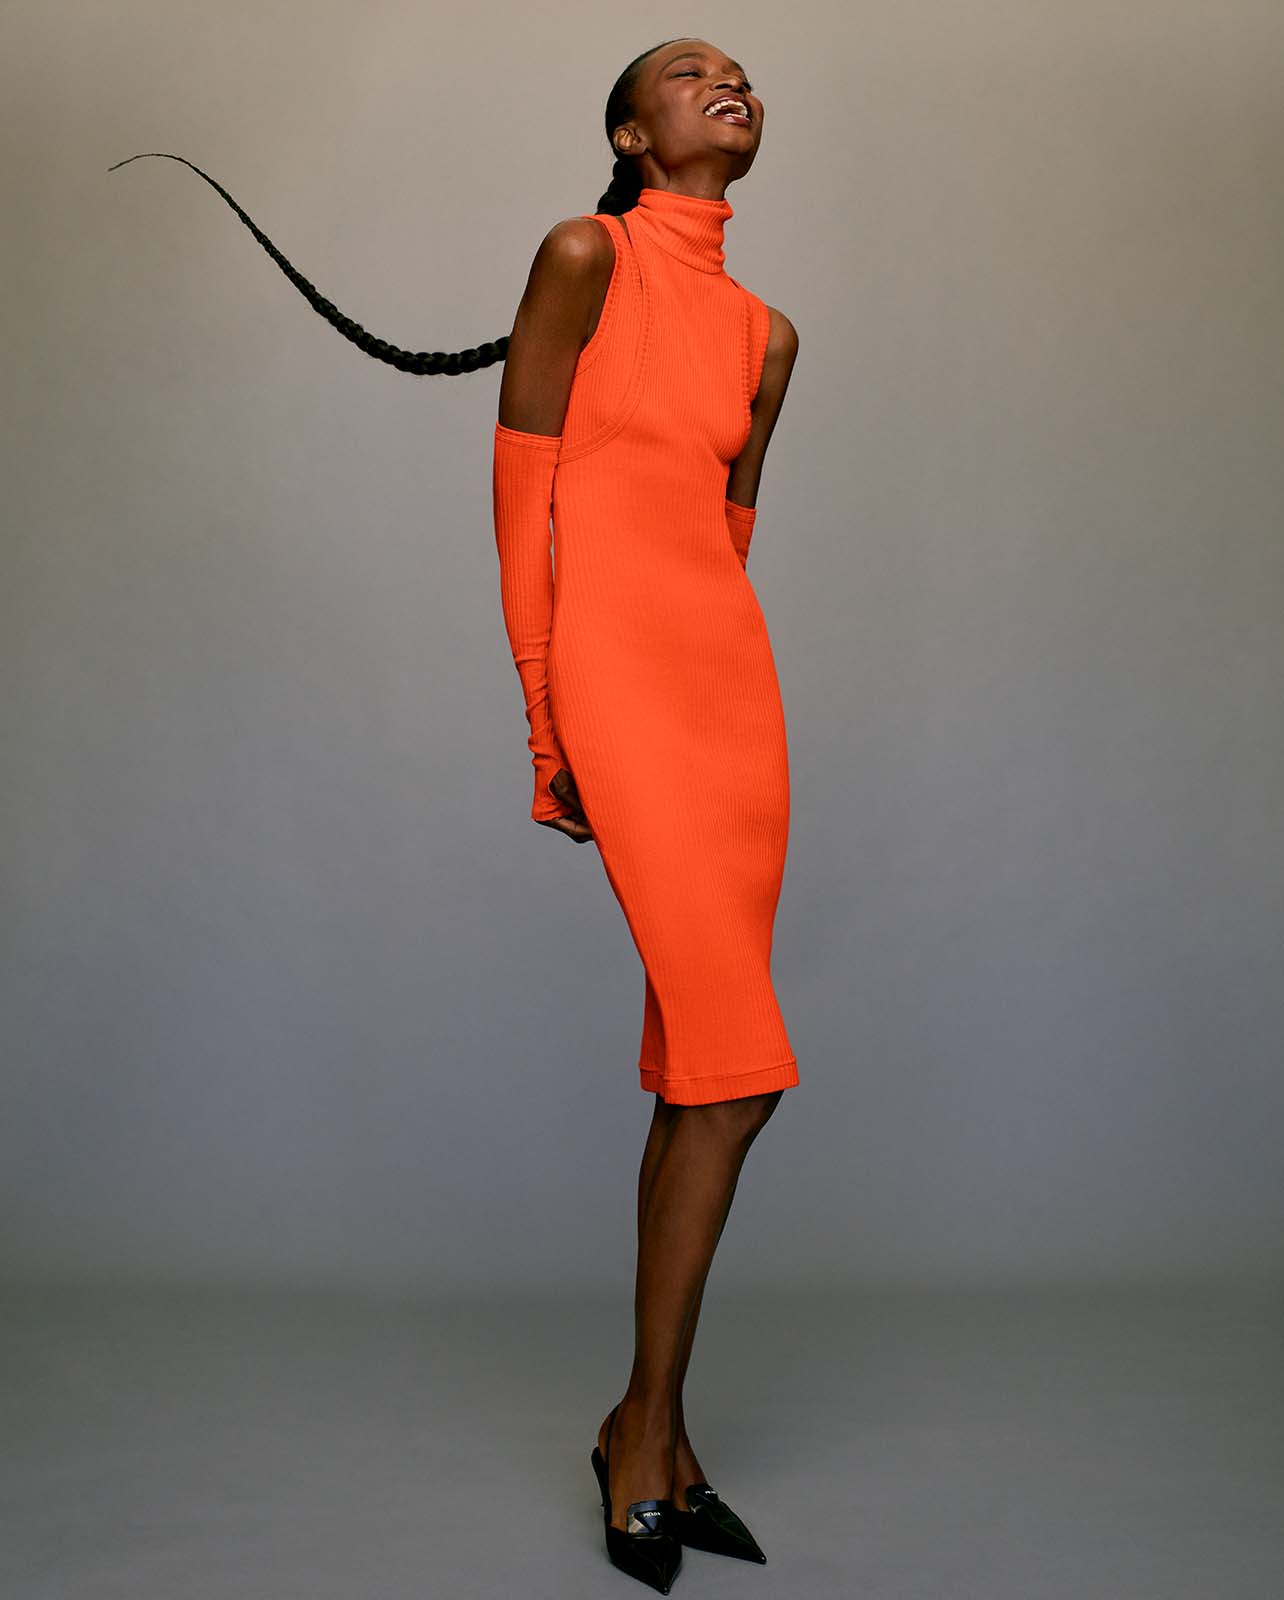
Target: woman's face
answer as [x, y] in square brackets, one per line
[677, 87]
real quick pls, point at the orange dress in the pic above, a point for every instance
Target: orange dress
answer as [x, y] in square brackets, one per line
[645, 660]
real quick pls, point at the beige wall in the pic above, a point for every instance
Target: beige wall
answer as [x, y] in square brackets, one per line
[290, 980]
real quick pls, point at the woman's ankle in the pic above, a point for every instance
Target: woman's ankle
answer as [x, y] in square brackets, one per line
[647, 1413]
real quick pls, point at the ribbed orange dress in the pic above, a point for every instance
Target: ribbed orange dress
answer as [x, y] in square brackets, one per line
[646, 663]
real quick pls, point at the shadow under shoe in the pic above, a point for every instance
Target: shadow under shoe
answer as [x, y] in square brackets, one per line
[712, 1525]
[646, 1549]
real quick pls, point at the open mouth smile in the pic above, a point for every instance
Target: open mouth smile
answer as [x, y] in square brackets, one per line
[729, 109]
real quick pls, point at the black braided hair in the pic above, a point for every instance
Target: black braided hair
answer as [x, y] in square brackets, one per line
[420, 363]
[621, 195]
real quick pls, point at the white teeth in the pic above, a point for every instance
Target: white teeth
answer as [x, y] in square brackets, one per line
[726, 105]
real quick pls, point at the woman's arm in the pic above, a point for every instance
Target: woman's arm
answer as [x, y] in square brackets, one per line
[564, 293]
[746, 469]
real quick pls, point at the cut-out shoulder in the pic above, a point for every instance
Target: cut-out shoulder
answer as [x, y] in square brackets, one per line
[573, 265]
[587, 249]
[578, 241]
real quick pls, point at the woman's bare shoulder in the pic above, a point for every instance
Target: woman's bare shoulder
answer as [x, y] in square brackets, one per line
[576, 248]
[782, 336]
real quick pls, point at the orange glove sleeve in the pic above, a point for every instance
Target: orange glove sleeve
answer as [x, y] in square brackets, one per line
[740, 521]
[522, 479]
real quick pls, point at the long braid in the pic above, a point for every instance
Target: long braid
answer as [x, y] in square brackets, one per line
[621, 195]
[421, 362]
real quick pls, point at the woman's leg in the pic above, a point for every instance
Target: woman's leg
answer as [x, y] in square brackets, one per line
[686, 1466]
[689, 1172]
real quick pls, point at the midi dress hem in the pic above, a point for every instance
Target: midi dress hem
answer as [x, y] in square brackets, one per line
[707, 1087]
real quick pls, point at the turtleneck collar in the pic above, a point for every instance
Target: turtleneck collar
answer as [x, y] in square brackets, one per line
[687, 227]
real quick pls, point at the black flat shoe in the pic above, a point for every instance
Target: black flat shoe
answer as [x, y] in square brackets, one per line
[646, 1549]
[711, 1525]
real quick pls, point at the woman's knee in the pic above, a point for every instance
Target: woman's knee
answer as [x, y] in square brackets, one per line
[738, 1120]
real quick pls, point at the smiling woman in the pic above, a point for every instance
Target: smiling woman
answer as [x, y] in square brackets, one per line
[641, 387]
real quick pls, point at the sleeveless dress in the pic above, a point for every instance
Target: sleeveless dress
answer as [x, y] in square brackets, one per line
[661, 684]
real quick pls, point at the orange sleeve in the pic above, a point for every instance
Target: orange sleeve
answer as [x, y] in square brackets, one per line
[522, 479]
[740, 521]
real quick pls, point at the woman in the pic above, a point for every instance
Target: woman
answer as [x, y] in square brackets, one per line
[640, 390]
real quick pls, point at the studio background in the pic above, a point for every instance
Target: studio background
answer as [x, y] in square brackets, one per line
[295, 993]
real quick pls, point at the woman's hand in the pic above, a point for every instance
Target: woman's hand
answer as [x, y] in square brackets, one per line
[575, 826]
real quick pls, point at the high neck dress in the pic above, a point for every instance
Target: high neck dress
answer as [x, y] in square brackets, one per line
[661, 683]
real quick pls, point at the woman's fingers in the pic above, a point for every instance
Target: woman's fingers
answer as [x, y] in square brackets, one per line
[563, 788]
[562, 784]
[575, 826]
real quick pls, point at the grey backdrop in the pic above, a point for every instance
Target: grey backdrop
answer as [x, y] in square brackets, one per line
[293, 990]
